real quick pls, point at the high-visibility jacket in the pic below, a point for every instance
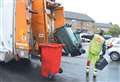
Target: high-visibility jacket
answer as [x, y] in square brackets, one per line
[96, 44]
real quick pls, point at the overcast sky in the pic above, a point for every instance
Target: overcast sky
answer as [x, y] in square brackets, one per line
[104, 11]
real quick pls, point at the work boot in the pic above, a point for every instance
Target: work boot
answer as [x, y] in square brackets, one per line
[87, 74]
[94, 76]
[95, 73]
[87, 71]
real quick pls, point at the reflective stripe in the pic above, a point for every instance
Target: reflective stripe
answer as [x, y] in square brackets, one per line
[22, 44]
[95, 69]
[87, 68]
[95, 73]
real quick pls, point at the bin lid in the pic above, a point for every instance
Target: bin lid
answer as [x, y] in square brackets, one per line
[51, 45]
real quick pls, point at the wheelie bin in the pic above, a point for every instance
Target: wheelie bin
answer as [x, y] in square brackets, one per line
[66, 36]
[51, 59]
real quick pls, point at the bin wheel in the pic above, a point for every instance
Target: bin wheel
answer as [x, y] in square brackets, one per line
[50, 76]
[60, 70]
[65, 54]
[40, 59]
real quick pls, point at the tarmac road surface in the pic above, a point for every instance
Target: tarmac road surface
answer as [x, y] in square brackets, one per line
[73, 67]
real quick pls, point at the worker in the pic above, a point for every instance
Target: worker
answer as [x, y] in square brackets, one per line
[97, 45]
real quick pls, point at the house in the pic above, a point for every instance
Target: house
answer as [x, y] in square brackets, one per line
[104, 26]
[78, 21]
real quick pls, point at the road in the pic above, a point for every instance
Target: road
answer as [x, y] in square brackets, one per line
[74, 71]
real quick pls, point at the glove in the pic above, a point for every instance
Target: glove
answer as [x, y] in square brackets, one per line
[101, 56]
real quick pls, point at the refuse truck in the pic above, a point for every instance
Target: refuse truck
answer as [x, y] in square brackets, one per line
[24, 24]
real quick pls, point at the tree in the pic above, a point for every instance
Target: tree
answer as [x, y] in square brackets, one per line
[114, 30]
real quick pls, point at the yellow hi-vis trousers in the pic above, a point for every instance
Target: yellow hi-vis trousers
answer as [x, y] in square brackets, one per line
[92, 58]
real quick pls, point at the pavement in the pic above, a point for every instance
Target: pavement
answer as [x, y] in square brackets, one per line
[73, 67]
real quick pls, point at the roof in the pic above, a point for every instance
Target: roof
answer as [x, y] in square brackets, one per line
[77, 16]
[104, 25]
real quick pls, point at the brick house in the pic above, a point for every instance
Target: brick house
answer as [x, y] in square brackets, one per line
[104, 26]
[79, 21]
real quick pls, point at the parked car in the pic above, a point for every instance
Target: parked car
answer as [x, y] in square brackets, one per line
[113, 46]
[85, 37]
[107, 37]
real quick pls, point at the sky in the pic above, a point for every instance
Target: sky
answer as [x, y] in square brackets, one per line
[103, 11]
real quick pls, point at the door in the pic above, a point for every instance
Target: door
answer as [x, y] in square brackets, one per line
[22, 25]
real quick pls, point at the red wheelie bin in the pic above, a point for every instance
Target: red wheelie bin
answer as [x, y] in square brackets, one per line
[51, 59]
